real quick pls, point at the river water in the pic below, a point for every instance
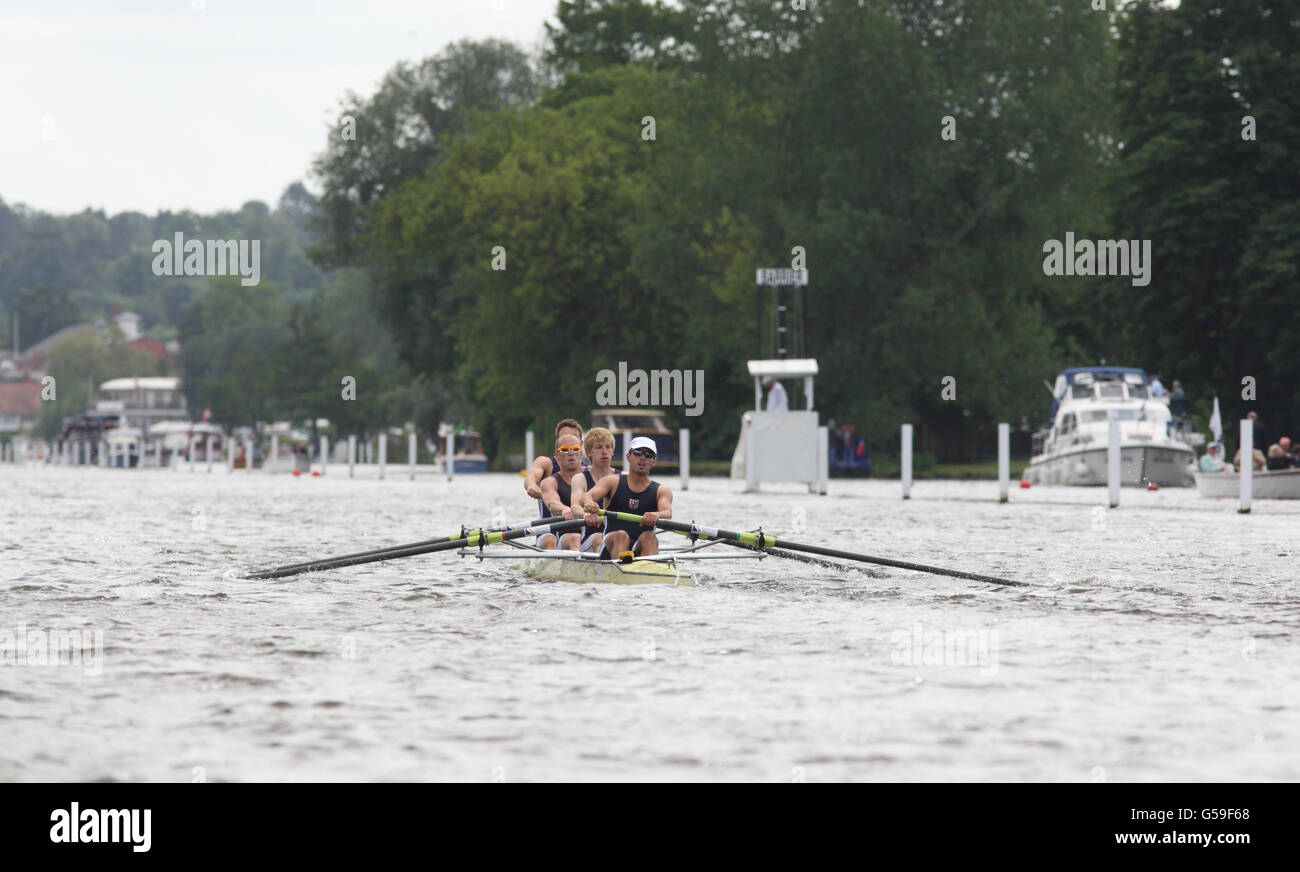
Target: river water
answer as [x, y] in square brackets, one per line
[1158, 641]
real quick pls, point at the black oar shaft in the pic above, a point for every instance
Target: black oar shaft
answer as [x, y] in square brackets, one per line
[307, 564]
[472, 539]
[760, 540]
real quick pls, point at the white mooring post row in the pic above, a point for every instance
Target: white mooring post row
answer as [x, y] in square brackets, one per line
[1004, 462]
[410, 453]
[207, 452]
[1247, 463]
[352, 455]
[248, 454]
[1112, 462]
[275, 453]
[383, 452]
[906, 472]
[529, 450]
[684, 457]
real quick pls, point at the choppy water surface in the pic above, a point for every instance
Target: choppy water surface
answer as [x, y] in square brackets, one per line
[1159, 641]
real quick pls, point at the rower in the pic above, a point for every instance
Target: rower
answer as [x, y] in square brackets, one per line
[544, 466]
[634, 493]
[598, 445]
[557, 494]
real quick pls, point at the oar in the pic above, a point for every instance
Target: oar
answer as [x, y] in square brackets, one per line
[471, 539]
[761, 540]
[308, 564]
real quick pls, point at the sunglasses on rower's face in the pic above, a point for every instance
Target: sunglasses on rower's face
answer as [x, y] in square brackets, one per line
[569, 449]
[642, 452]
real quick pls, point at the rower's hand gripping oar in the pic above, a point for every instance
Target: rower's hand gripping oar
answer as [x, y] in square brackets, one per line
[763, 542]
[454, 542]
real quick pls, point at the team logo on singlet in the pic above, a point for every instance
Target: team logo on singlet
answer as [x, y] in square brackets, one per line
[632, 504]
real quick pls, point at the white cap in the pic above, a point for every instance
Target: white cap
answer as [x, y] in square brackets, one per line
[643, 442]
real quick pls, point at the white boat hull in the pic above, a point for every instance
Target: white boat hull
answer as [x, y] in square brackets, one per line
[591, 571]
[1140, 465]
[1282, 484]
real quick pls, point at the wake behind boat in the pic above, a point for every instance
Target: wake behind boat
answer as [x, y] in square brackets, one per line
[1073, 450]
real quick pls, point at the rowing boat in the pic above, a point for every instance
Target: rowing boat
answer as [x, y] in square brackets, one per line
[661, 568]
[666, 567]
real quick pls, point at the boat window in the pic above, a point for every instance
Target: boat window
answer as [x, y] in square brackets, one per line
[1094, 416]
[1112, 391]
[1138, 392]
[1067, 426]
[1129, 414]
[1081, 392]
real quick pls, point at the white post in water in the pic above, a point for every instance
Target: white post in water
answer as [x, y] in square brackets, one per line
[410, 453]
[324, 453]
[1112, 462]
[383, 451]
[1247, 463]
[906, 471]
[230, 454]
[627, 443]
[1004, 461]
[275, 452]
[207, 452]
[352, 455]
[451, 451]
[684, 456]
[823, 459]
[193, 449]
[248, 454]
[751, 464]
[528, 449]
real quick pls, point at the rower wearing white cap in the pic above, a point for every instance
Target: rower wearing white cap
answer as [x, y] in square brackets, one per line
[634, 493]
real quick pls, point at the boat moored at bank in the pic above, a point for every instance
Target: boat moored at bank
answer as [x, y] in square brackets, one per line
[1154, 449]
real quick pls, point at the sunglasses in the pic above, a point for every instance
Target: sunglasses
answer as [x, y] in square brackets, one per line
[642, 452]
[569, 449]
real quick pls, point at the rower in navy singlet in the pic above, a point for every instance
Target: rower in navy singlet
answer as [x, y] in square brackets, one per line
[598, 445]
[556, 492]
[634, 493]
[545, 466]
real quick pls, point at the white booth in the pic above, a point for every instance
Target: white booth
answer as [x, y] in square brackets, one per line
[787, 445]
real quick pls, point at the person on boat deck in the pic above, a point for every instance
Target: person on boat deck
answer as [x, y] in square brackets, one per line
[1178, 406]
[777, 400]
[1212, 460]
[634, 493]
[1257, 456]
[1157, 389]
[1277, 458]
[544, 466]
[598, 445]
[1285, 444]
[557, 492]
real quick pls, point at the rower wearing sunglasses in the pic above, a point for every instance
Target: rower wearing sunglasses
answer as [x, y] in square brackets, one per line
[556, 491]
[634, 493]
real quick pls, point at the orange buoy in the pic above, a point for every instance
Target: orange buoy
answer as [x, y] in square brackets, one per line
[1152, 486]
[1024, 484]
[315, 473]
[297, 472]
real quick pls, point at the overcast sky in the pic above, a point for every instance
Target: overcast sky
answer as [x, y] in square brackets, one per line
[148, 105]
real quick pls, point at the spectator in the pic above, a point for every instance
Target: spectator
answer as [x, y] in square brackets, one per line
[1212, 461]
[1285, 444]
[777, 401]
[1277, 458]
[1258, 428]
[1157, 389]
[1178, 403]
[1257, 456]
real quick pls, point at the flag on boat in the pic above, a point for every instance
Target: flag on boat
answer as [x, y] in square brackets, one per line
[1216, 423]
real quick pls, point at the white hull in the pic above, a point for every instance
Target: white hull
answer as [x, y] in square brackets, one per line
[587, 571]
[1140, 465]
[1282, 484]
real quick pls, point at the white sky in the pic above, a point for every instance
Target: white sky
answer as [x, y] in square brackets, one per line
[148, 105]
